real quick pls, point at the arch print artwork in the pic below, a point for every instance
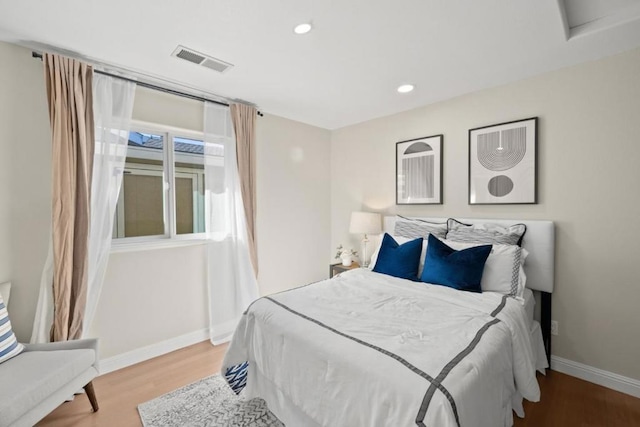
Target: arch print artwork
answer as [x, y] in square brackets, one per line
[419, 171]
[503, 163]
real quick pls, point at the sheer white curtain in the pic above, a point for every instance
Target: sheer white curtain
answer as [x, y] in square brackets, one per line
[44, 309]
[112, 110]
[232, 282]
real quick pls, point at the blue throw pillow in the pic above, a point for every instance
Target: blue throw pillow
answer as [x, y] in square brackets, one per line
[456, 269]
[399, 260]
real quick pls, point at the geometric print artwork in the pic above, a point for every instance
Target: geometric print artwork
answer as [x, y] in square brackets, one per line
[419, 179]
[500, 151]
[419, 171]
[502, 163]
[500, 186]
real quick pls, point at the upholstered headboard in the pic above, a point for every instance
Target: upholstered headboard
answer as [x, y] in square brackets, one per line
[539, 241]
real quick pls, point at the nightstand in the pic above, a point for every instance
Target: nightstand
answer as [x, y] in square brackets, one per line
[339, 268]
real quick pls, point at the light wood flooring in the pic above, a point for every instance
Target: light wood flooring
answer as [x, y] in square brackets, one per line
[119, 393]
[566, 401]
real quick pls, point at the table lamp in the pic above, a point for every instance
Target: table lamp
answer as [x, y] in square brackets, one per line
[365, 223]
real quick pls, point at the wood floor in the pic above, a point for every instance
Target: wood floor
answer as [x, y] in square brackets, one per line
[566, 401]
[119, 393]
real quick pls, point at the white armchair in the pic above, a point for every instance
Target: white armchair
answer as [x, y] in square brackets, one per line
[38, 380]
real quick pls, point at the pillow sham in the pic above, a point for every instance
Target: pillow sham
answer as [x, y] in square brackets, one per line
[9, 345]
[414, 228]
[458, 269]
[503, 271]
[487, 233]
[399, 260]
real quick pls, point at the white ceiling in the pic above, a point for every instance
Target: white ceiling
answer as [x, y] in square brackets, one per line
[347, 69]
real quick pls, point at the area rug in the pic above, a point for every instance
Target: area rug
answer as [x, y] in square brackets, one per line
[206, 403]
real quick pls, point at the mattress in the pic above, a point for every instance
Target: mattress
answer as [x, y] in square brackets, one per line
[529, 306]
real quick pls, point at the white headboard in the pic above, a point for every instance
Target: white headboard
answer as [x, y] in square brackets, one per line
[539, 241]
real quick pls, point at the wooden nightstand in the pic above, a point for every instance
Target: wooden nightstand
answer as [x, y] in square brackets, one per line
[339, 268]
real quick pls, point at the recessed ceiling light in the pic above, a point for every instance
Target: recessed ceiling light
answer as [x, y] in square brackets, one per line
[302, 28]
[405, 88]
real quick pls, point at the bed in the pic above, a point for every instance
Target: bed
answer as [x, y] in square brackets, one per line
[368, 349]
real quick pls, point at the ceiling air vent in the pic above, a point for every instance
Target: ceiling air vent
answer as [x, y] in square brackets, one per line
[201, 59]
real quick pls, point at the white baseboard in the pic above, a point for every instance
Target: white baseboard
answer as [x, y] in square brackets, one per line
[138, 355]
[597, 376]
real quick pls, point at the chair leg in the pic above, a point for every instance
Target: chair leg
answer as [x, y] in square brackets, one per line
[91, 394]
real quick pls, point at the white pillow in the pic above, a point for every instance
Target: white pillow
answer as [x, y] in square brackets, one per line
[503, 270]
[401, 240]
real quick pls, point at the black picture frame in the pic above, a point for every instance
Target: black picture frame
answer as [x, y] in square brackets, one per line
[503, 163]
[422, 158]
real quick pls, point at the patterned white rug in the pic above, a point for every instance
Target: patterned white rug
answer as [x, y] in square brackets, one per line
[206, 403]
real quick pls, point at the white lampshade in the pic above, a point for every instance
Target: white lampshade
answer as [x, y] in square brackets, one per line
[365, 223]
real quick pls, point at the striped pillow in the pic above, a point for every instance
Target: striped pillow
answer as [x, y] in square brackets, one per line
[486, 233]
[414, 228]
[9, 345]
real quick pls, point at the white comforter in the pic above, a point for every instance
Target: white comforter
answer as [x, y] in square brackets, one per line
[366, 349]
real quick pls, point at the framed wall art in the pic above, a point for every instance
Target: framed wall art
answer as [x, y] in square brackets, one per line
[503, 163]
[419, 171]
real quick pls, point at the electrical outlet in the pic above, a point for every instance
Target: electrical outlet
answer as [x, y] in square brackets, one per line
[554, 327]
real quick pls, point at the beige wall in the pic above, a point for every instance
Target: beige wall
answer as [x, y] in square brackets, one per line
[293, 203]
[153, 295]
[25, 174]
[158, 107]
[589, 149]
[163, 292]
[150, 296]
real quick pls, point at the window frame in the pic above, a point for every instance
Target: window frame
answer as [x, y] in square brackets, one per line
[170, 238]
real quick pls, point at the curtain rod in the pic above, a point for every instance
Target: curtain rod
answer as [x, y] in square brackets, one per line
[152, 86]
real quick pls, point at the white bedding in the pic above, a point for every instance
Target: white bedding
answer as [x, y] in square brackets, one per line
[529, 306]
[366, 349]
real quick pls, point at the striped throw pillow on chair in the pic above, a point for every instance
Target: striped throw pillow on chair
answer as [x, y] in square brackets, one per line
[9, 345]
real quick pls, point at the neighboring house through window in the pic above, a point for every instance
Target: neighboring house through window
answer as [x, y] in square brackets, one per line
[162, 193]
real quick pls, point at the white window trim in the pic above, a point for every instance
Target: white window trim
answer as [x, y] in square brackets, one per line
[170, 238]
[162, 243]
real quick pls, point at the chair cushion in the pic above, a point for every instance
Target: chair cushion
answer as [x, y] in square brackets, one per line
[33, 376]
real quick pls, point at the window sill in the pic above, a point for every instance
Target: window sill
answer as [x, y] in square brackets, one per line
[118, 247]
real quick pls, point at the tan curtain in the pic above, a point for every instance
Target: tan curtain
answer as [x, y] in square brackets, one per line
[71, 115]
[244, 125]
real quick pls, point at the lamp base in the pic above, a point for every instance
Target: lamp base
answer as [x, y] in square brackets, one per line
[365, 258]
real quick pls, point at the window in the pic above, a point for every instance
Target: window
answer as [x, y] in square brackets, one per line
[162, 193]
